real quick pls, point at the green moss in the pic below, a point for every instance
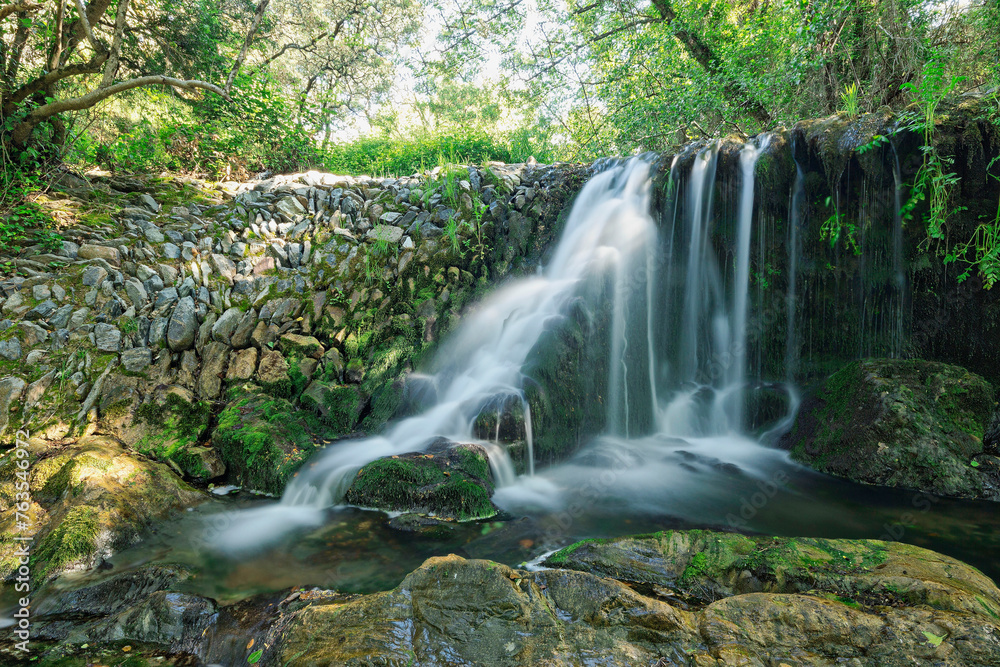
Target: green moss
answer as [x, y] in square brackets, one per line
[263, 441]
[74, 539]
[434, 483]
[55, 484]
[393, 483]
[473, 463]
[698, 567]
[177, 423]
[464, 498]
[342, 404]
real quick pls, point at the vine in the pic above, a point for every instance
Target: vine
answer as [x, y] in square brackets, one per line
[933, 183]
[985, 242]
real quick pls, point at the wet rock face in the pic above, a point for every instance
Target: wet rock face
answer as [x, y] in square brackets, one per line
[449, 480]
[911, 424]
[675, 597]
[456, 611]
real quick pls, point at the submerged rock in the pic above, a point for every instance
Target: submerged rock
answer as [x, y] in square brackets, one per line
[912, 424]
[448, 480]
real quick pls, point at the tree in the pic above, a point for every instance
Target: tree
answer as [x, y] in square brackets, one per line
[69, 57]
[86, 45]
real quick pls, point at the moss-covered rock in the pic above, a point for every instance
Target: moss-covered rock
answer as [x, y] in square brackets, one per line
[448, 480]
[912, 424]
[263, 440]
[567, 387]
[457, 611]
[170, 427]
[339, 406]
[699, 567]
[92, 500]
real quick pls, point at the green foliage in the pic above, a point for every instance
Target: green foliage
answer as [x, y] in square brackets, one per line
[252, 132]
[933, 182]
[22, 220]
[933, 639]
[984, 246]
[877, 141]
[849, 100]
[403, 156]
[837, 227]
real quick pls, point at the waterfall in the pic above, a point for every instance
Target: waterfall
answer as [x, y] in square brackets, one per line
[738, 342]
[794, 223]
[608, 227]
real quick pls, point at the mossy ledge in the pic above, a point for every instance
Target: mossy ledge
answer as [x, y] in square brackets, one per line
[903, 423]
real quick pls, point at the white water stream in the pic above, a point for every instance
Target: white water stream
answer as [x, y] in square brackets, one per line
[677, 357]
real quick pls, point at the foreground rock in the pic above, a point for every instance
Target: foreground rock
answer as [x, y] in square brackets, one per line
[677, 597]
[748, 601]
[912, 424]
[89, 500]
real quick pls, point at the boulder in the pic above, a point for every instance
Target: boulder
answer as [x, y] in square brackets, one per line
[241, 335]
[291, 207]
[213, 368]
[295, 344]
[930, 609]
[94, 275]
[137, 359]
[42, 311]
[107, 338]
[273, 369]
[224, 267]
[906, 423]
[449, 480]
[108, 254]
[242, 364]
[263, 440]
[136, 292]
[10, 349]
[386, 233]
[183, 325]
[338, 406]
[90, 500]
[225, 326]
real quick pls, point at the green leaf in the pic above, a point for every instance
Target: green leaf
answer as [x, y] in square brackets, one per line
[974, 464]
[255, 656]
[933, 639]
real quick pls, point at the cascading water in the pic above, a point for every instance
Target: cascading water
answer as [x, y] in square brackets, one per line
[667, 395]
[608, 225]
[696, 309]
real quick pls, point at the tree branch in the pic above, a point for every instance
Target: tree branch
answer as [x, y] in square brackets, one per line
[85, 22]
[238, 63]
[50, 78]
[6, 10]
[57, 40]
[23, 130]
[76, 32]
[111, 67]
[287, 47]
